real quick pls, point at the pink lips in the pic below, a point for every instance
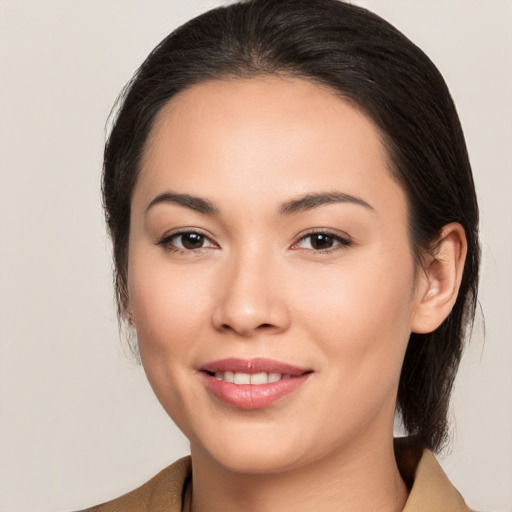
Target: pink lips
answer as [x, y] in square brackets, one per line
[252, 396]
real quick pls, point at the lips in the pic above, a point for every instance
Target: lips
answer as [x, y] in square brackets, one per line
[252, 384]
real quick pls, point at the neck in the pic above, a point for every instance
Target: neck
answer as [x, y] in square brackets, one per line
[351, 479]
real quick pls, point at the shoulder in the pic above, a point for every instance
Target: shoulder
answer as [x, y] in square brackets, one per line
[162, 493]
[431, 491]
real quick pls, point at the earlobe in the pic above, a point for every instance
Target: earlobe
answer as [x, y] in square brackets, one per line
[129, 317]
[127, 311]
[440, 279]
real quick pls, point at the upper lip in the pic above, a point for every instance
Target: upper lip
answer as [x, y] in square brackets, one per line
[251, 366]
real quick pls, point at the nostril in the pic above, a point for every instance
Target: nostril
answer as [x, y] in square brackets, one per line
[228, 327]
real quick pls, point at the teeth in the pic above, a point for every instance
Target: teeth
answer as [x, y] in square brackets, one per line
[242, 378]
[248, 378]
[274, 377]
[259, 378]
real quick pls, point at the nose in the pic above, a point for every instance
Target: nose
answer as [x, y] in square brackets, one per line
[251, 298]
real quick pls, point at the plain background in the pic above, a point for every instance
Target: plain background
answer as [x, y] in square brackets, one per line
[78, 422]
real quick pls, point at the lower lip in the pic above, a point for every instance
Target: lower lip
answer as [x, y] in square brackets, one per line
[252, 396]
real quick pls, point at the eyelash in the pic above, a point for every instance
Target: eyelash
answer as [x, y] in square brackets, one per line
[341, 243]
[169, 245]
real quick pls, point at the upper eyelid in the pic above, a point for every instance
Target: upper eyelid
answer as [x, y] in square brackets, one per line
[167, 240]
[183, 231]
[344, 240]
[324, 231]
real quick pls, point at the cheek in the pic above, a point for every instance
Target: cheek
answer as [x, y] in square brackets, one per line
[167, 304]
[377, 289]
[362, 313]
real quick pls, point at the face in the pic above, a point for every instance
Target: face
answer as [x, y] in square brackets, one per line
[271, 277]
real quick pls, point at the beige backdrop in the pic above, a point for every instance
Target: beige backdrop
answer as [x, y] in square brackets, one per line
[78, 422]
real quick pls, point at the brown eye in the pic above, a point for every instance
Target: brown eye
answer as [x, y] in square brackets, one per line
[187, 241]
[192, 240]
[322, 242]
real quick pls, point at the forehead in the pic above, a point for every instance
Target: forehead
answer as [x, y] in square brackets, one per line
[264, 137]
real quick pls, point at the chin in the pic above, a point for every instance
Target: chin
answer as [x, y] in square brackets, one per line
[251, 450]
[255, 460]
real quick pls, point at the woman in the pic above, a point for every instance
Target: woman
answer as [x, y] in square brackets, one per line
[294, 223]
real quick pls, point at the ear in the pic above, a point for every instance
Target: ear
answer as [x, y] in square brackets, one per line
[126, 311]
[129, 318]
[440, 278]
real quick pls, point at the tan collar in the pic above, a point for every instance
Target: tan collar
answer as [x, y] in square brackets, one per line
[431, 491]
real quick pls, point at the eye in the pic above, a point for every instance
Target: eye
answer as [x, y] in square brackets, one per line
[322, 242]
[186, 241]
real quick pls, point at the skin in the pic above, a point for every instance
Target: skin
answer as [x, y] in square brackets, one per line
[258, 287]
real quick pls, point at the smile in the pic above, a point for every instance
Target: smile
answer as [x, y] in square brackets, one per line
[252, 384]
[247, 378]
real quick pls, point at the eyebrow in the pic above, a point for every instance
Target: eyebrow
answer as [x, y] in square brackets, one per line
[310, 201]
[291, 207]
[194, 203]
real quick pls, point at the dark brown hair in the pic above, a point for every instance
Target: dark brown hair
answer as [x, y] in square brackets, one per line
[375, 67]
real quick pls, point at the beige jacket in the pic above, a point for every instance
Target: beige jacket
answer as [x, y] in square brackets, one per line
[431, 490]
